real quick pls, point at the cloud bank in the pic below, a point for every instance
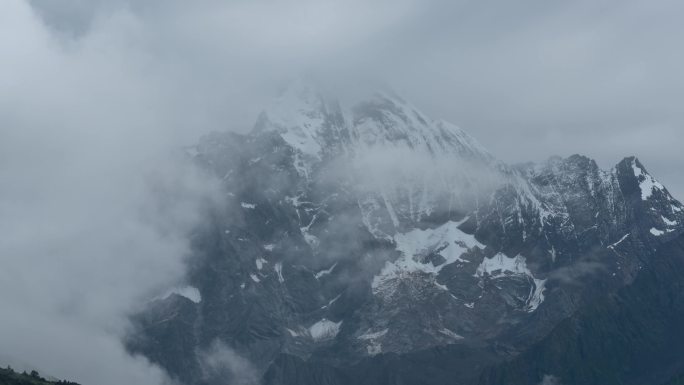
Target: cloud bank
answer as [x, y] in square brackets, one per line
[95, 207]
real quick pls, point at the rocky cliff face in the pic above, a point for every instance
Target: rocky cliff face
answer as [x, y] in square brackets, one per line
[362, 242]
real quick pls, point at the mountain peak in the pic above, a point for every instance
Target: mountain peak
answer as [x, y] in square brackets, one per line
[319, 121]
[415, 245]
[631, 169]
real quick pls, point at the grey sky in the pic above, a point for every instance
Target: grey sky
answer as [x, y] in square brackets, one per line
[529, 79]
[94, 92]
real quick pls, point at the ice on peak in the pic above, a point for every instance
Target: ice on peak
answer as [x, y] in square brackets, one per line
[646, 182]
[468, 143]
[300, 115]
[314, 124]
[390, 121]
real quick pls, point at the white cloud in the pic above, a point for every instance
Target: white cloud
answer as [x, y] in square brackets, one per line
[220, 362]
[95, 208]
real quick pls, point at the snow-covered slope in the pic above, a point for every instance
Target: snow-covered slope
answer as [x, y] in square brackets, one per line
[318, 126]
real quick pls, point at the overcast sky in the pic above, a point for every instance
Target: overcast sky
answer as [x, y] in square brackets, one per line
[529, 79]
[94, 92]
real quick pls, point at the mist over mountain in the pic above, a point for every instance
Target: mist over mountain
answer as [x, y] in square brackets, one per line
[326, 192]
[364, 242]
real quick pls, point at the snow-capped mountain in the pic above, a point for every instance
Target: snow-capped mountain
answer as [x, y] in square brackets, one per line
[363, 242]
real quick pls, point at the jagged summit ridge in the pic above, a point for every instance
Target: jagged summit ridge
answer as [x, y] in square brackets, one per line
[318, 125]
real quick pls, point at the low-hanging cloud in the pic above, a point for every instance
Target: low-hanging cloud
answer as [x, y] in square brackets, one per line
[221, 364]
[574, 274]
[95, 206]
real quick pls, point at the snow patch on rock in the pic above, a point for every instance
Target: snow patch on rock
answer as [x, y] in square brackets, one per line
[324, 330]
[619, 242]
[501, 266]
[446, 240]
[451, 334]
[326, 271]
[374, 346]
[369, 335]
[279, 270]
[189, 292]
[310, 239]
[260, 262]
[299, 332]
[646, 182]
[669, 222]
[657, 232]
